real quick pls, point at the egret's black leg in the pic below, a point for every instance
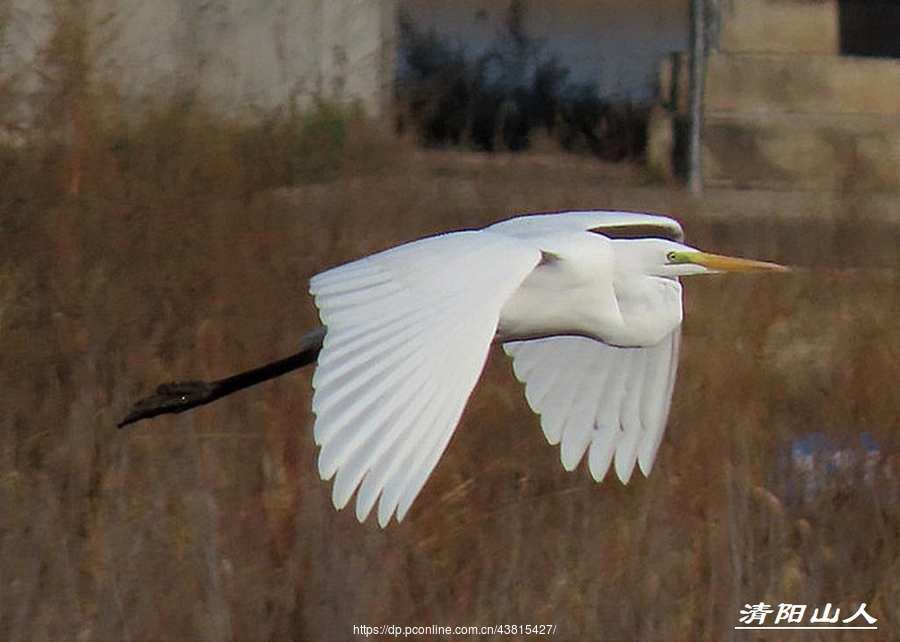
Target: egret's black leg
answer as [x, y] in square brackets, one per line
[183, 395]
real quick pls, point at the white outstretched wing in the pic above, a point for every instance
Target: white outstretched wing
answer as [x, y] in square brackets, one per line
[607, 401]
[408, 333]
[622, 225]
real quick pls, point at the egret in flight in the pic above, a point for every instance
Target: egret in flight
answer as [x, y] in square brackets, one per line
[587, 304]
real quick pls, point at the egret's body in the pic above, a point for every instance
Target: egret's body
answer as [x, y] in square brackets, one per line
[588, 305]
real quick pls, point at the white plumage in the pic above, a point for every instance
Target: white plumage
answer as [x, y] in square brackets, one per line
[589, 313]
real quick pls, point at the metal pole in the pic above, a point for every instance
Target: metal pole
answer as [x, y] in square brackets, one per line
[698, 52]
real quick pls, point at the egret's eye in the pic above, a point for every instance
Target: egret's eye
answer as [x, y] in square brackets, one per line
[672, 257]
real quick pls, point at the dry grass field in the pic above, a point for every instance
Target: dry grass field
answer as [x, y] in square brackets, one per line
[169, 252]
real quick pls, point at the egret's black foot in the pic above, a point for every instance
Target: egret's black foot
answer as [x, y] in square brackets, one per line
[171, 397]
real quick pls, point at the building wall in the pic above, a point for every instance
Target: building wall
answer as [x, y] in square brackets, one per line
[784, 110]
[238, 55]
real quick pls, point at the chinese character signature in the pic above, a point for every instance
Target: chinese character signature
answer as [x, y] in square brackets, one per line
[793, 614]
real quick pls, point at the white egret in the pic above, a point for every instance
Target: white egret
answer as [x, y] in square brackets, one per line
[587, 304]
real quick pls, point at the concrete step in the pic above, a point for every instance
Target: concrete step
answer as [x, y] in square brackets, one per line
[780, 26]
[814, 84]
[802, 151]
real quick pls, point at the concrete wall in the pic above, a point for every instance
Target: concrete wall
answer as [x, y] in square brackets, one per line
[239, 55]
[780, 26]
[783, 110]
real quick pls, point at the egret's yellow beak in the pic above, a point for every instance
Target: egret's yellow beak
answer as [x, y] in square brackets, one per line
[720, 263]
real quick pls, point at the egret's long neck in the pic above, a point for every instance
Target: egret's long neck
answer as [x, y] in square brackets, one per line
[650, 308]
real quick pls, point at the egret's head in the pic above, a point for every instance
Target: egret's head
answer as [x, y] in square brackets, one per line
[690, 261]
[660, 257]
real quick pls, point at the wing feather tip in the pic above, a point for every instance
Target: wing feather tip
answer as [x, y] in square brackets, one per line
[597, 475]
[624, 469]
[385, 512]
